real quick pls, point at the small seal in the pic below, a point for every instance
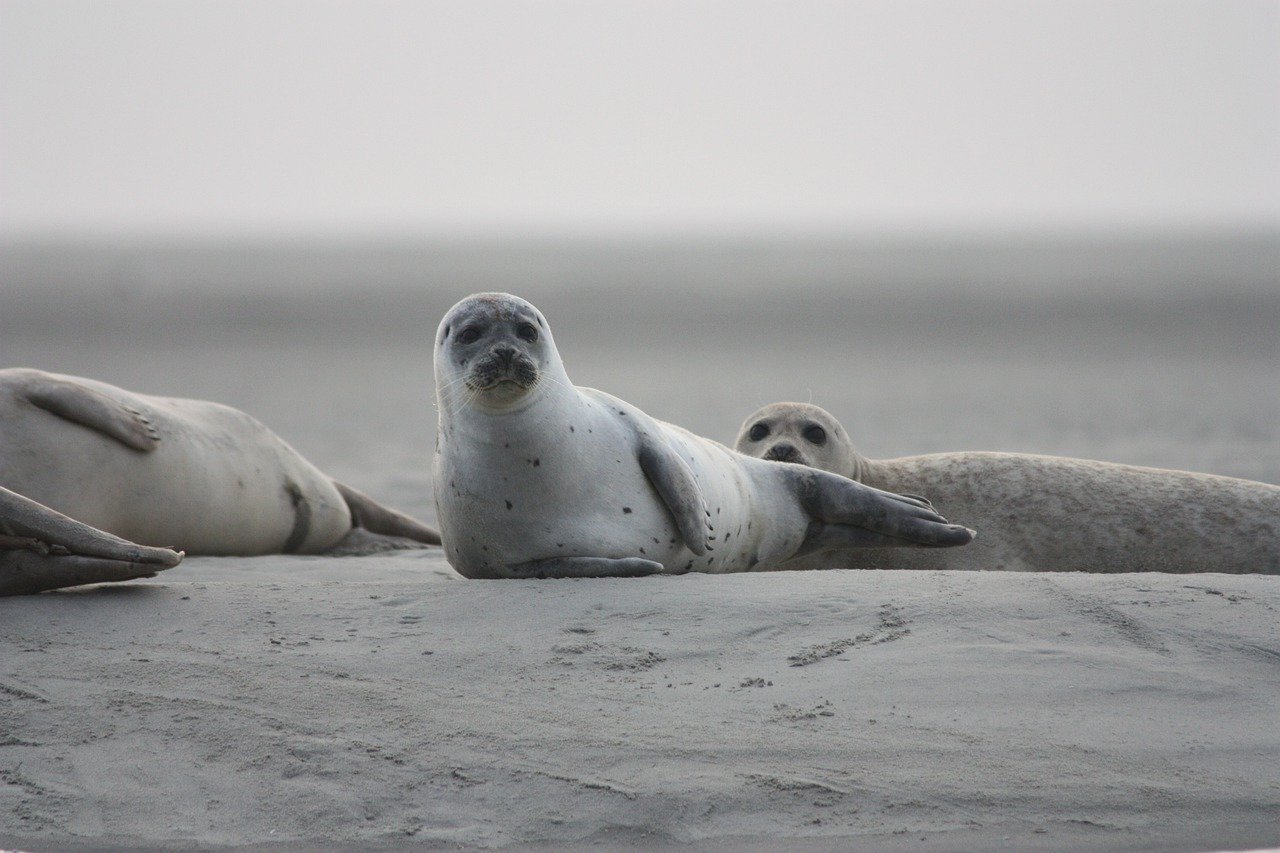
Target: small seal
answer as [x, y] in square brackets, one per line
[535, 477]
[190, 474]
[1042, 513]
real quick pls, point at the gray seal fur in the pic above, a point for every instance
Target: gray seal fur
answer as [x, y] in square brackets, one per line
[1042, 513]
[535, 477]
[190, 474]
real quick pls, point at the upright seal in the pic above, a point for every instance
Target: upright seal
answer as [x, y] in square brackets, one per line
[1042, 513]
[537, 478]
[190, 474]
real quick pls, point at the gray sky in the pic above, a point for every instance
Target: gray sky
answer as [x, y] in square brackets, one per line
[143, 118]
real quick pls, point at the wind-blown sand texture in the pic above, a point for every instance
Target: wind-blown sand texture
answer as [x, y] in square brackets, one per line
[385, 701]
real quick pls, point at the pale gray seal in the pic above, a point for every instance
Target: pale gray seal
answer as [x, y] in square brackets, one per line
[41, 549]
[189, 474]
[1042, 513]
[537, 478]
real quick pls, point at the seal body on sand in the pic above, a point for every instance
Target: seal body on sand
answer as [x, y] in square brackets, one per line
[41, 549]
[1042, 513]
[535, 477]
[190, 474]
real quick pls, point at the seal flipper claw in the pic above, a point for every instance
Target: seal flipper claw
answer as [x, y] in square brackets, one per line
[672, 478]
[92, 409]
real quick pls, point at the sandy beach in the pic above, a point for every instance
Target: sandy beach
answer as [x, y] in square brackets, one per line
[385, 702]
[290, 702]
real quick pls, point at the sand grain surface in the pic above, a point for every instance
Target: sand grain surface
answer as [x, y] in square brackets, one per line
[384, 701]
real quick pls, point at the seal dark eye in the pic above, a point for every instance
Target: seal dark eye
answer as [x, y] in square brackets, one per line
[469, 335]
[815, 434]
[758, 432]
[527, 332]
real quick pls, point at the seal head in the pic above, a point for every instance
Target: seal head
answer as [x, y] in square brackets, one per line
[498, 352]
[803, 434]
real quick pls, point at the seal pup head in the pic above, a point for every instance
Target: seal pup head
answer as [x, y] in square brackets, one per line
[801, 433]
[494, 350]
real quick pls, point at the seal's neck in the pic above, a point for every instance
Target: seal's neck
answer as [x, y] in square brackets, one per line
[860, 468]
[465, 416]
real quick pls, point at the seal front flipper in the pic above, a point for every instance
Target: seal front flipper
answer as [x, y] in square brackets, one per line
[90, 408]
[674, 481]
[23, 518]
[583, 567]
[41, 549]
[376, 518]
[870, 517]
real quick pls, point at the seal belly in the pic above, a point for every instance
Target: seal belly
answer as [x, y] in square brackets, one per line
[217, 482]
[526, 497]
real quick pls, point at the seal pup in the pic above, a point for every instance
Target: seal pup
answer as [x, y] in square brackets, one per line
[1042, 513]
[41, 549]
[190, 474]
[537, 478]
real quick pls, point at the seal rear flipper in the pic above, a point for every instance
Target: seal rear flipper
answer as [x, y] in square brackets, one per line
[674, 481]
[83, 405]
[851, 506]
[376, 518]
[583, 567]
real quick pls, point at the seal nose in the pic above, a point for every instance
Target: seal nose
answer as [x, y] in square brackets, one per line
[782, 452]
[505, 355]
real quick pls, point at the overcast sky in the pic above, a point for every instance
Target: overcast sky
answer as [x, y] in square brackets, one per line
[144, 118]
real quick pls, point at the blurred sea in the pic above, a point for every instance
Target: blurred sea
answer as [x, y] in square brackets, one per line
[1159, 351]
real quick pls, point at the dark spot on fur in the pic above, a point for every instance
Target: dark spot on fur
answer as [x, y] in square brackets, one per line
[508, 504]
[688, 565]
[507, 445]
[301, 517]
[642, 551]
[537, 462]
[656, 542]
[559, 544]
[626, 510]
[709, 559]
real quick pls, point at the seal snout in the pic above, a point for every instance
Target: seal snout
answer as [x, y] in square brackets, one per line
[784, 451]
[503, 363]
